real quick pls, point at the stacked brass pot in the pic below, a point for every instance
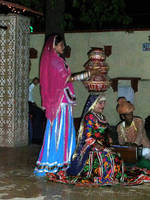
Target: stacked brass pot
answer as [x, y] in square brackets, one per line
[99, 82]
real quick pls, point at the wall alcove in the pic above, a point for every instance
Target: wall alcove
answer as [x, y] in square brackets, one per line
[134, 82]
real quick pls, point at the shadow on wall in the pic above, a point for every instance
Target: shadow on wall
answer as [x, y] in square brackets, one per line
[147, 126]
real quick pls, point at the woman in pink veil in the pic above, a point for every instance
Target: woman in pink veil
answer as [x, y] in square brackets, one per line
[58, 96]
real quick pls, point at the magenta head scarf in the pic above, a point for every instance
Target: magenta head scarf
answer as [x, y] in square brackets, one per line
[53, 79]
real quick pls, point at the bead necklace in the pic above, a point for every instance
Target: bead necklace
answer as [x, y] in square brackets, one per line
[99, 116]
[124, 129]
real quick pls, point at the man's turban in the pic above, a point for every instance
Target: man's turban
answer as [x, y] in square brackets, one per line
[125, 108]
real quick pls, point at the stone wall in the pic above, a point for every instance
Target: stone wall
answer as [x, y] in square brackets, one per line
[14, 62]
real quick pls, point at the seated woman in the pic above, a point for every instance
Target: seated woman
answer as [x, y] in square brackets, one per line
[93, 163]
[131, 130]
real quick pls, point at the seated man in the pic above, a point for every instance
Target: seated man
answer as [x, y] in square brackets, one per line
[131, 130]
[120, 100]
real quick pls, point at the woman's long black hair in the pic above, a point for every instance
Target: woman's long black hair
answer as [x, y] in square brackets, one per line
[58, 39]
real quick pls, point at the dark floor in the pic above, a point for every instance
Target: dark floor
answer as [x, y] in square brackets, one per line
[17, 181]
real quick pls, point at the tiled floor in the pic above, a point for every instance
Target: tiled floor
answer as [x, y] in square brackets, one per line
[18, 182]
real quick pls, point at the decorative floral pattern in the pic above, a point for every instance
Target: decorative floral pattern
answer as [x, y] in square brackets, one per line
[95, 128]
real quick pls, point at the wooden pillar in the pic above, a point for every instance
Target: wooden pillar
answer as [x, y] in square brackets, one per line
[14, 71]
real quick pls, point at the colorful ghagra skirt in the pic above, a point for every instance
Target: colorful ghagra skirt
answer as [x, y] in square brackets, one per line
[101, 168]
[58, 144]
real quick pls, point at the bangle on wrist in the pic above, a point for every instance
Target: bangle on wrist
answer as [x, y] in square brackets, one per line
[89, 73]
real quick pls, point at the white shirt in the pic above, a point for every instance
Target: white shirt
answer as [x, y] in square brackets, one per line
[30, 93]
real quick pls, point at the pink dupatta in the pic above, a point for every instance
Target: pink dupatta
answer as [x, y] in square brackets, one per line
[53, 79]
